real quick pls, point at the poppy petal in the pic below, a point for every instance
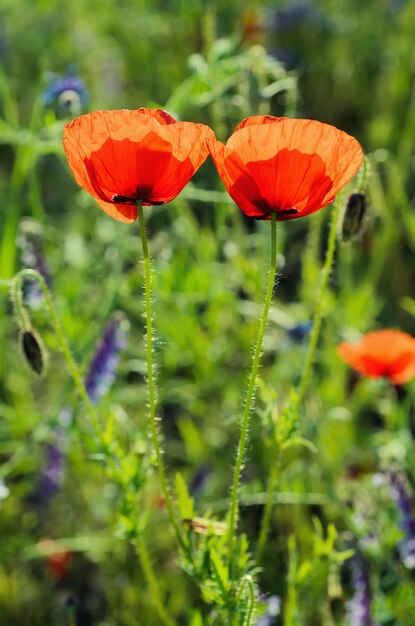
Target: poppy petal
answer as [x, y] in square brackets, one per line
[288, 166]
[387, 353]
[124, 157]
[158, 114]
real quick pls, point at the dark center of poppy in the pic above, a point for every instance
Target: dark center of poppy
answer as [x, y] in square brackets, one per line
[287, 211]
[125, 200]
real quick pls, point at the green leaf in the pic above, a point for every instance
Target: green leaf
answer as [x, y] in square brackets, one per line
[344, 555]
[408, 304]
[299, 441]
[184, 501]
[219, 571]
[196, 620]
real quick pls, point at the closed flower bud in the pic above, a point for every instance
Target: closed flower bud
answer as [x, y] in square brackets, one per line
[33, 350]
[353, 224]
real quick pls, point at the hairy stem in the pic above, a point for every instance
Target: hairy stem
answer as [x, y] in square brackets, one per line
[320, 303]
[151, 384]
[266, 519]
[25, 324]
[249, 399]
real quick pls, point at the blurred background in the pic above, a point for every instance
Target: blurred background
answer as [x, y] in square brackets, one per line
[344, 62]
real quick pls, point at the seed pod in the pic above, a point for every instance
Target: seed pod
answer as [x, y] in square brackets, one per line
[353, 223]
[33, 351]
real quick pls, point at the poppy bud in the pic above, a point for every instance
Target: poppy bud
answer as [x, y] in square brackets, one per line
[353, 223]
[33, 350]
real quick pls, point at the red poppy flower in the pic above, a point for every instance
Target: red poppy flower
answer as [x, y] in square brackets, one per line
[285, 166]
[125, 157]
[57, 562]
[384, 353]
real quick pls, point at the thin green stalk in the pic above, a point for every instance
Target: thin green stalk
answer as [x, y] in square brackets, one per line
[249, 399]
[266, 519]
[25, 324]
[151, 580]
[266, 516]
[151, 384]
[320, 303]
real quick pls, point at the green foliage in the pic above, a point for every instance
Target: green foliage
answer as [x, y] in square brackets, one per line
[347, 63]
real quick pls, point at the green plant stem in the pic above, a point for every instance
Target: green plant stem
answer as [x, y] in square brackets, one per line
[266, 519]
[320, 303]
[249, 399]
[151, 580]
[25, 324]
[151, 384]
[266, 516]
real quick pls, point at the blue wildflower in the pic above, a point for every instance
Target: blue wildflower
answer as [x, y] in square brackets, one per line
[67, 94]
[300, 331]
[53, 470]
[404, 501]
[360, 606]
[104, 363]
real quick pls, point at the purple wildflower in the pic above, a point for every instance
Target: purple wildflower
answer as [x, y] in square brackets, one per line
[404, 501]
[67, 94]
[359, 607]
[52, 472]
[104, 363]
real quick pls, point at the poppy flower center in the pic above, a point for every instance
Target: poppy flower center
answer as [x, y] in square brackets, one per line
[125, 200]
[289, 183]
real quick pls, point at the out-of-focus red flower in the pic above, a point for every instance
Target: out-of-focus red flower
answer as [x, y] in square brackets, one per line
[384, 353]
[125, 157]
[57, 561]
[285, 166]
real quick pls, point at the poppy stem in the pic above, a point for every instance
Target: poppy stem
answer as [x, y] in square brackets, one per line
[273, 477]
[151, 384]
[25, 324]
[250, 399]
[320, 303]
